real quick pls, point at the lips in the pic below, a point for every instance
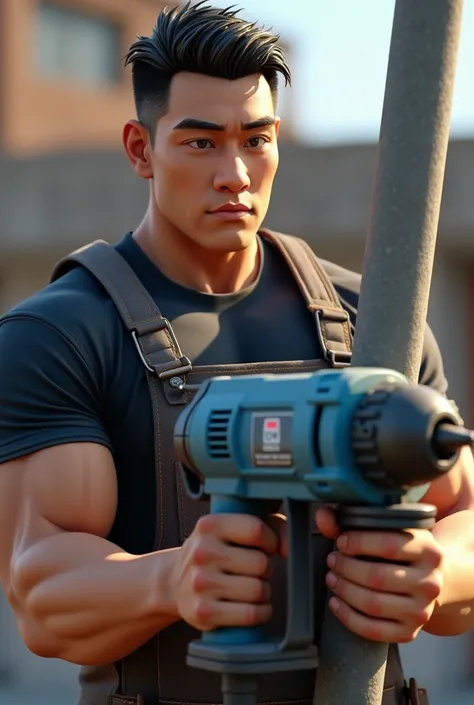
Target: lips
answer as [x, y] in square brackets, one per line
[232, 208]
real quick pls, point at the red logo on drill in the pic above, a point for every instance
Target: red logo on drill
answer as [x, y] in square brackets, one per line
[271, 431]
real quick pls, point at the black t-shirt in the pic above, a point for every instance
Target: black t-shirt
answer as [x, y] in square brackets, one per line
[69, 371]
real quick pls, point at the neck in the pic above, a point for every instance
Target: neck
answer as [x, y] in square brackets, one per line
[183, 261]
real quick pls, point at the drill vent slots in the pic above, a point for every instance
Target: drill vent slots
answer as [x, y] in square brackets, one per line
[217, 434]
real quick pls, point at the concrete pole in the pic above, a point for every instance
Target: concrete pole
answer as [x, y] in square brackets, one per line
[398, 263]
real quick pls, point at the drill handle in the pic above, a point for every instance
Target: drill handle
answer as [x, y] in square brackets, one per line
[299, 631]
[236, 636]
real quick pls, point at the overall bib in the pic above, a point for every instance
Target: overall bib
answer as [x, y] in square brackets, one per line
[156, 673]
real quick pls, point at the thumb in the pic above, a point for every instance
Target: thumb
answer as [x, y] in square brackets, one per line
[326, 522]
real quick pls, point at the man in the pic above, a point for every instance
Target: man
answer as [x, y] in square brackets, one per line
[109, 565]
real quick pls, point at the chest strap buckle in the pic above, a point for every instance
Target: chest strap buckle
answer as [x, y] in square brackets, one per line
[180, 366]
[336, 358]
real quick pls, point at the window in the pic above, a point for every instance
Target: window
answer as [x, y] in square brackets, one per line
[76, 46]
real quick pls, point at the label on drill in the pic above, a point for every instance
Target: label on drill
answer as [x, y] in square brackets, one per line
[270, 444]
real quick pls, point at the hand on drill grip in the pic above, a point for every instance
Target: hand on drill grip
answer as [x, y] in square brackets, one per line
[389, 602]
[221, 576]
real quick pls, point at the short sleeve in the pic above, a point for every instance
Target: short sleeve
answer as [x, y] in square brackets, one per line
[48, 392]
[347, 285]
[432, 368]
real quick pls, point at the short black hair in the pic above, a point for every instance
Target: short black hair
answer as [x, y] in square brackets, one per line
[200, 39]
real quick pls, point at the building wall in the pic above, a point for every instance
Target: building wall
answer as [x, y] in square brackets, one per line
[40, 114]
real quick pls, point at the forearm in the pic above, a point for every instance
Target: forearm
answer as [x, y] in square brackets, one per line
[455, 611]
[81, 599]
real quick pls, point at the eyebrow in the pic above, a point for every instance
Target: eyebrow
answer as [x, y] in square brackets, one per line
[195, 124]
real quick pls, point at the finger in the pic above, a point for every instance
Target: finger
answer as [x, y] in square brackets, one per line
[214, 613]
[240, 529]
[399, 547]
[326, 522]
[390, 632]
[233, 588]
[422, 580]
[380, 605]
[245, 562]
[382, 577]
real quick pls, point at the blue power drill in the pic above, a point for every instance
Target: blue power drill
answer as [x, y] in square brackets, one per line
[362, 439]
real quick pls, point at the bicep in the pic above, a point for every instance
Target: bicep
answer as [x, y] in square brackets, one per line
[432, 368]
[56, 467]
[66, 488]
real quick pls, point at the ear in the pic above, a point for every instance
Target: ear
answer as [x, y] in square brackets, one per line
[136, 141]
[277, 126]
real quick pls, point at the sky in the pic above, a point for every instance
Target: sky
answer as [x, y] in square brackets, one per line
[340, 50]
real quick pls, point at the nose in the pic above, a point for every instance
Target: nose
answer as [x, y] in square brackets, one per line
[232, 177]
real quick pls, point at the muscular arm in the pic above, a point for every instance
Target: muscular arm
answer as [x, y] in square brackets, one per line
[453, 494]
[76, 596]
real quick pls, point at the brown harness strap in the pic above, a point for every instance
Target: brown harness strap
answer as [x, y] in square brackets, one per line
[152, 334]
[332, 321]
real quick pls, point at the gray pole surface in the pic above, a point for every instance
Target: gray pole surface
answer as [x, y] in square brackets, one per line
[398, 263]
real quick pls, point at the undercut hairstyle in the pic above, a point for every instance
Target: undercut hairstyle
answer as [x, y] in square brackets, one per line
[200, 39]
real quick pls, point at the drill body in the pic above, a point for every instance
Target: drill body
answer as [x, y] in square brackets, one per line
[362, 439]
[335, 436]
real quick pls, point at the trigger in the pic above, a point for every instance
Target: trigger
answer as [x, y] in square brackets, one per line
[194, 486]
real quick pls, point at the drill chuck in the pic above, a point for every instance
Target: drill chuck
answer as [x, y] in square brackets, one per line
[404, 435]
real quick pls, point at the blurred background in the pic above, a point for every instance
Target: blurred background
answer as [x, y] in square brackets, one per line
[64, 97]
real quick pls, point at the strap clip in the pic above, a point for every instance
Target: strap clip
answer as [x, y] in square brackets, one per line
[336, 358]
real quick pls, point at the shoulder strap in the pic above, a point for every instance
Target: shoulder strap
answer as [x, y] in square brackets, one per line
[151, 332]
[332, 321]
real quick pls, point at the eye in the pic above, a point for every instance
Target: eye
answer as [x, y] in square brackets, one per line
[256, 142]
[200, 144]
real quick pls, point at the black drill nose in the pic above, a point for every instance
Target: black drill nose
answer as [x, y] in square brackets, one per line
[448, 438]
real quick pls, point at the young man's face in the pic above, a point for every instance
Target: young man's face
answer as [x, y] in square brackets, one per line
[216, 147]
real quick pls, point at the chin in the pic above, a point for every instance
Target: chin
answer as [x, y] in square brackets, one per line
[228, 239]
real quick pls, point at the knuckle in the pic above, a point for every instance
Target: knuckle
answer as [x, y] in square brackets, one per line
[390, 545]
[203, 610]
[432, 588]
[374, 605]
[423, 615]
[255, 614]
[256, 530]
[373, 631]
[434, 555]
[351, 542]
[206, 524]
[199, 581]
[420, 616]
[202, 554]
[376, 576]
